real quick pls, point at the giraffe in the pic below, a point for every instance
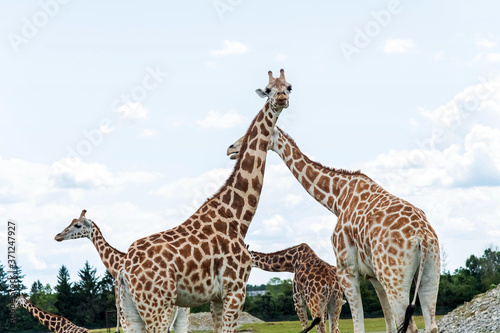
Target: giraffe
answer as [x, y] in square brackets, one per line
[378, 236]
[204, 259]
[112, 259]
[315, 283]
[53, 322]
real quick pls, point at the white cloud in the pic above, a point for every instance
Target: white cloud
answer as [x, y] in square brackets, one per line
[274, 224]
[485, 43]
[215, 119]
[189, 194]
[292, 199]
[21, 180]
[148, 132]
[132, 111]
[230, 47]
[494, 57]
[399, 46]
[75, 173]
[451, 122]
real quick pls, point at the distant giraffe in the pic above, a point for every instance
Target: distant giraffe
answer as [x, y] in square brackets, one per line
[204, 259]
[112, 260]
[378, 236]
[315, 283]
[53, 322]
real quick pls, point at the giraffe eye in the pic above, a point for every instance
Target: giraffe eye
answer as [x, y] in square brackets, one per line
[78, 225]
[289, 88]
[268, 90]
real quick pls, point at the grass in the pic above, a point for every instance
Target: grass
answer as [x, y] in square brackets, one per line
[345, 326]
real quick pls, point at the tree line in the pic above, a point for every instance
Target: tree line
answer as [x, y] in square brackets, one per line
[86, 300]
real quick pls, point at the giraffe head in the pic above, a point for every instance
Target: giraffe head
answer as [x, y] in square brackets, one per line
[233, 151]
[19, 302]
[277, 91]
[78, 228]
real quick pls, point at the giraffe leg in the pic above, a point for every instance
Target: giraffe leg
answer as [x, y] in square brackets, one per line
[181, 322]
[318, 309]
[160, 322]
[300, 308]
[334, 308]
[233, 305]
[117, 304]
[350, 283]
[130, 319]
[216, 310]
[428, 291]
[390, 324]
[398, 295]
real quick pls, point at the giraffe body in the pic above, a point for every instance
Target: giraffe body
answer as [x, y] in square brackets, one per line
[315, 283]
[204, 259]
[378, 236]
[112, 260]
[54, 323]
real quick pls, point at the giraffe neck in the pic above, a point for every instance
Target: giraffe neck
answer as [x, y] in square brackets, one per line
[281, 261]
[111, 257]
[331, 187]
[53, 322]
[240, 195]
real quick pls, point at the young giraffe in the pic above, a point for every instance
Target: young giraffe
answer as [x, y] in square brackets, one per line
[112, 260]
[53, 322]
[378, 236]
[315, 283]
[204, 259]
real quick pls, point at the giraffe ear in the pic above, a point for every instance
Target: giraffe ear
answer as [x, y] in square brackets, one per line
[261, 93]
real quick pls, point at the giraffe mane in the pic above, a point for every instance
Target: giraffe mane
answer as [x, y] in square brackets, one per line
[285, 250]
[237, 165]
[99, 230]
[341, 171]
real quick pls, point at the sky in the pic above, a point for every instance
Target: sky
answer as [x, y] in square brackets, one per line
[126, 109]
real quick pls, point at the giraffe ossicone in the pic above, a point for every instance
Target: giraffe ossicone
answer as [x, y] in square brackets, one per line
[204, 259]
[315, 283]
[378, 236]
[113, 259]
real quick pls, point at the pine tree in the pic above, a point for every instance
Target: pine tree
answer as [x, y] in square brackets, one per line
[107, 287]
[65, 298]
[16, 281]
[87, 292]
[4, 300]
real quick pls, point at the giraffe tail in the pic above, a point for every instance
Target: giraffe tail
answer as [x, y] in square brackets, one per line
[411, 308]
[314, 323]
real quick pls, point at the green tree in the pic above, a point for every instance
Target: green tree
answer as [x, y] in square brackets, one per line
[88, 298]
[107, 287]
[65, 296]
[16, 280]
[4, 300]
[43, 297]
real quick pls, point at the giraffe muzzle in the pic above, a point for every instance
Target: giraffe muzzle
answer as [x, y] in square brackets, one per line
[59, 238]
